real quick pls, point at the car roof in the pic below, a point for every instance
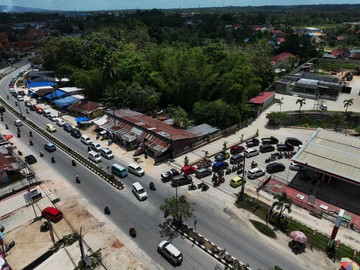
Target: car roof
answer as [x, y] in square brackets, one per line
[254, 170]
[134, 165]
[236, 178]
[51, 210]
[137, 185]
[49, 143]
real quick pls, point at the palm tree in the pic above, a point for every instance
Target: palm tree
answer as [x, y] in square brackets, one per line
[301, 102]
[114, 97]
[282, 203]
[347, 103]
[110, 68]
[280, 102]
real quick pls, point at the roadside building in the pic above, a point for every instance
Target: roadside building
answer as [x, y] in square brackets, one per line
[263, 100]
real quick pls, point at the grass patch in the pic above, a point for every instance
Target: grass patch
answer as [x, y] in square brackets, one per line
[263, 228]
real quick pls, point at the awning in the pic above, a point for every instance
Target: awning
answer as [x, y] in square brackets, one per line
[81, 119]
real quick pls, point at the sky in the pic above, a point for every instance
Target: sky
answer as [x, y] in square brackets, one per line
[93, 5]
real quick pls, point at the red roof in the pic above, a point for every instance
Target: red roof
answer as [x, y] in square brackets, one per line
[277, 32]
[338, 52]
[282, 56]
[262, 97]
[281, 40]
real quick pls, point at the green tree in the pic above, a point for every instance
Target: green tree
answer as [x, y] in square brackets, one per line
[281, 204]
[178, 208]
[301, 102]
[276, 118]
[115, 97]
[179, 115]
[143, 99]
[348, 103]
[337, 119]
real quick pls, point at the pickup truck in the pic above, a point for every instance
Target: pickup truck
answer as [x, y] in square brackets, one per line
[270, 140]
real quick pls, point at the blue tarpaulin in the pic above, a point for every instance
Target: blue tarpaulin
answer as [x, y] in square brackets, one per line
[64, 102]
[55, 95]
[31, 84]
[81, 119]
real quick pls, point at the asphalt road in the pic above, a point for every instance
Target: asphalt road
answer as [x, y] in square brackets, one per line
[127, 211]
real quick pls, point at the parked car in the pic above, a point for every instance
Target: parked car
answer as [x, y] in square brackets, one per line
[50, 128]
[170, 252]
[253, 142]
[255, 173]
[270, 140]
[204, 163]
[169, 174]
[30, 159]
[202, 172]
[60, 122]
[135, 169]
[27, 103]
[264, 148]
[188, 169]
[75, 133]
[50, 147]
[95, 146]
[285, 147]
[323, 107]
[52, 214]
[236, 159]
[275, 167]
[294, 167]
[293, 141]
[94, 156]
[20, 98]
[222, 156]
[251, 152]
[106, 153]
[85, 139]
[181, 180]
[52, 117]
[236, 149]
[237, 181]
[67, 127]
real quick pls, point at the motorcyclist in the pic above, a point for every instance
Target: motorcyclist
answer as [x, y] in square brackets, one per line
[107, 210]
[6, 126]
[41, 153]
[73, 163]
[30, 133]
[152, 185]
[30, 142]
[77, 179]
[52, 160]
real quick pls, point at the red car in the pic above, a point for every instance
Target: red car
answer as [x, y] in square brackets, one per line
[52, 214]
[188, 169]
[236, 149]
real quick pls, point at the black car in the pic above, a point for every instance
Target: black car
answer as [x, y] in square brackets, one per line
[285, 147]
[202, 172]
[275, 167]
[75, 133]
[270, 140]
[253, 142]
[293, 141]
[30, 159]
[266, 148]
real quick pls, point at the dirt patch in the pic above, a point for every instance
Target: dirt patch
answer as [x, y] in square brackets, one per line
[117, 244]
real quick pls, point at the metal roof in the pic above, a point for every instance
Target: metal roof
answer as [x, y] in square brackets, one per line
[308, 83]
[332, 152]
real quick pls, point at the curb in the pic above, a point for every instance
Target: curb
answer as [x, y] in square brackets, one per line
[210, 252]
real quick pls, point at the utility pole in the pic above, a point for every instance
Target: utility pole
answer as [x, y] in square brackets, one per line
[243, 178]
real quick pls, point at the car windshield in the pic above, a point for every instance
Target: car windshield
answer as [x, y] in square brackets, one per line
[141, 191]
[138, 168]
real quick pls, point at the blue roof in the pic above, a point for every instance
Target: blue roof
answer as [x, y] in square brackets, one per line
[55, 95]
[64, 102]
[81, 119]
[31, 84]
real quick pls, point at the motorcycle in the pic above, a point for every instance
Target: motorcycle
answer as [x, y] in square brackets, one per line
[228, 171]
[152, 186]
[19, 153]
[73, 163]
[253, 164]
[52, 160]
[41, 154]
[77, 179]
[132, 232]
[31, 143]
[18, 134]
[107, 210]
[44, 227]
[6, 126]
[216, 183]
[222, 179]
[192, 186]
[30, 133]
[204, 187]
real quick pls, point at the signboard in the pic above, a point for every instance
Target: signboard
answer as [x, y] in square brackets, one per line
[32, 196]
[30, 176]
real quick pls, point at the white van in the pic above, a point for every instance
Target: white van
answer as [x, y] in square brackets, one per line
[170, 252]
[85, 139]
[94, 156]
[251, 152]
[139, 191]
[46, 113]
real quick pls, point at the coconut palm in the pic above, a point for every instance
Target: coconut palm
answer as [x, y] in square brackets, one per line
[282, 203]
[301, 102]
[115, 97]
[348, 103]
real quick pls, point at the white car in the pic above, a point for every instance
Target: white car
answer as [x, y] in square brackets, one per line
[250, 152]
[255, 173]
[85, 139]
[95, 146]
[139, 191]
[52, 118]
[20, 98]
[170, 252]
[18, 123]
[60, 122]
[294, 167]
[136, 169]
[106, 153]
[94, 156]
